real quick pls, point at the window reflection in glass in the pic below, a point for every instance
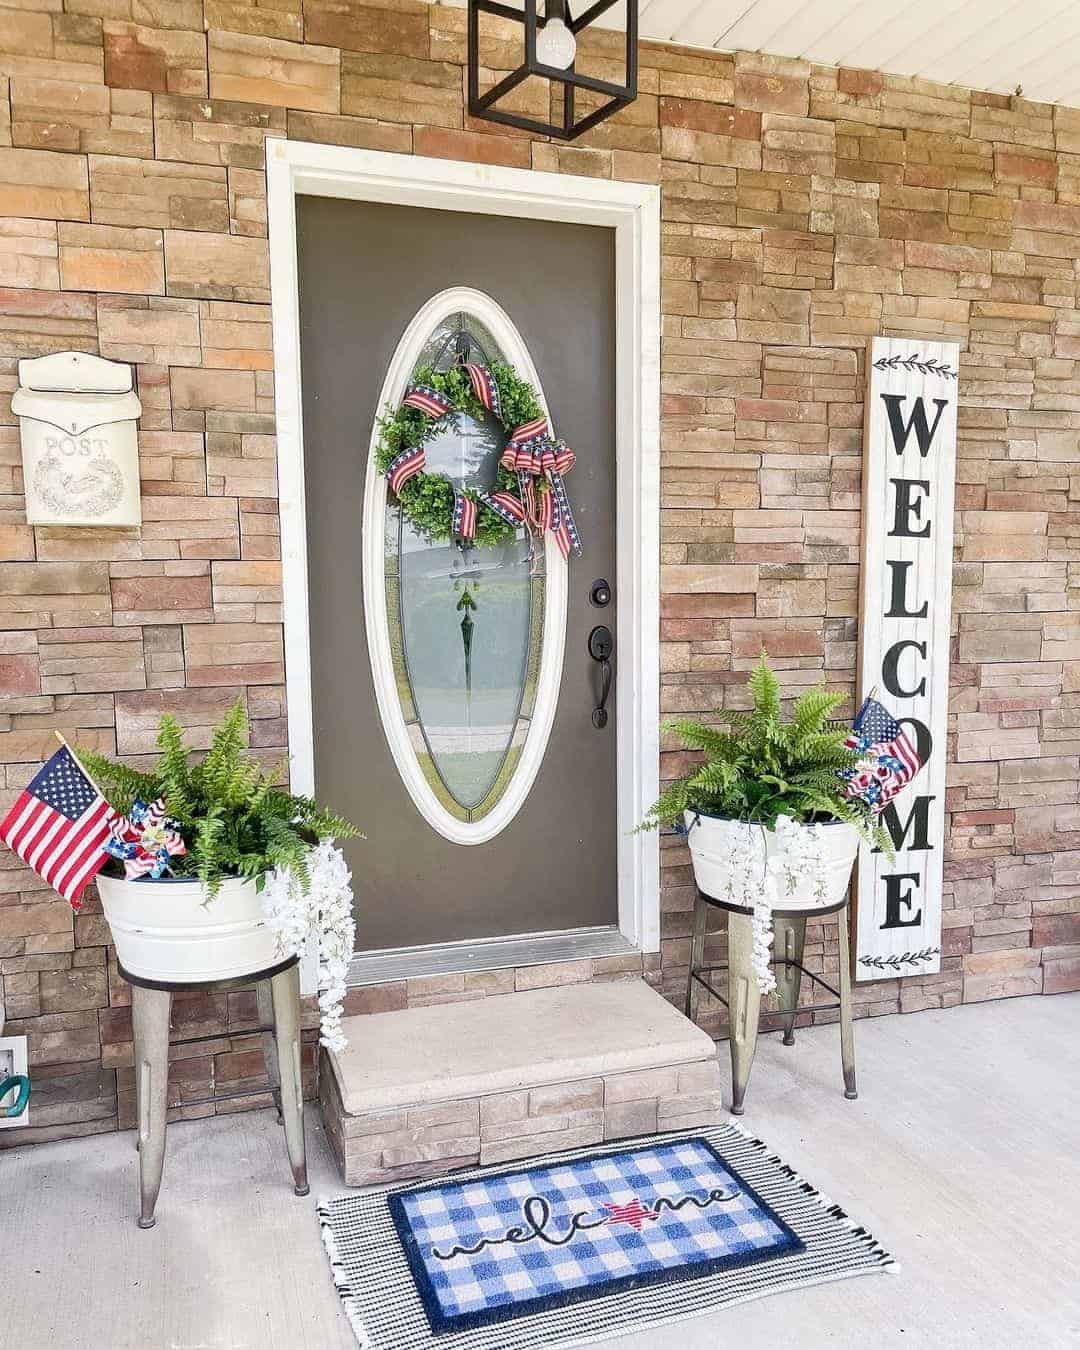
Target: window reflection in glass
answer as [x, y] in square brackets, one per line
[466, 450]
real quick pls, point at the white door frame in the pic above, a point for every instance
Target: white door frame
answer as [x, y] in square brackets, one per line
[632, 210]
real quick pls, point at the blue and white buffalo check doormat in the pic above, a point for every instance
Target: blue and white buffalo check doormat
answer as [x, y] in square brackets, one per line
[573, 1247]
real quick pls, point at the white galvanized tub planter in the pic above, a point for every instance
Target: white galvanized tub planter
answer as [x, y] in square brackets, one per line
[713, 841]
[170, 930]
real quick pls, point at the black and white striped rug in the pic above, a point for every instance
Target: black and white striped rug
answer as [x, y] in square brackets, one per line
[570, 1248]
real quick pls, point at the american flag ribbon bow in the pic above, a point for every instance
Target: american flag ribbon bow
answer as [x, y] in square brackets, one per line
[537, 457]
[539, 461]
[427, 400]
[405, 466]
[888, 760]
[412, 460]
[464, 521]
[485, 388]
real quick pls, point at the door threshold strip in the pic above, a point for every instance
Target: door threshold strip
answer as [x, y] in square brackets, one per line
[449, 958]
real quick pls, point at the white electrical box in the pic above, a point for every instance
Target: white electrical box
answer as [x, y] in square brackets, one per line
[80, 450]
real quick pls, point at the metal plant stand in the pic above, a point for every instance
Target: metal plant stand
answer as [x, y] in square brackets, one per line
[278, 995]
[743, 1000]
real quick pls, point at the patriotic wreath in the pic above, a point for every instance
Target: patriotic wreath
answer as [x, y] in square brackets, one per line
[529, 488]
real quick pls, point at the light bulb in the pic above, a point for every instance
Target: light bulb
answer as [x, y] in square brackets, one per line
[556, 45]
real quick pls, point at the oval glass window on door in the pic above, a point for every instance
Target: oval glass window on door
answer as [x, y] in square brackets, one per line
[466, 640]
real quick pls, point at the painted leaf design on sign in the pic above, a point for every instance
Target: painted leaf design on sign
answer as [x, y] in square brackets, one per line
[924, 365]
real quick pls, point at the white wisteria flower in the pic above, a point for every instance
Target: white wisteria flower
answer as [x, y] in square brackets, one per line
[749, 883]
[800, 860]
[796, 863]
[763, 940]
[323, 916]
[763, 875]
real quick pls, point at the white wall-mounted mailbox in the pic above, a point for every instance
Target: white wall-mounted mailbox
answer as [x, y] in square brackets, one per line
[77, 421]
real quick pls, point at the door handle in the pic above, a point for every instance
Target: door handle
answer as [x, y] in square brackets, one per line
[601, 645]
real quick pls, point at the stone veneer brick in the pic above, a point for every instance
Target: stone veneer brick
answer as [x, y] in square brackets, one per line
[255, 69]
[108, 258]
[804, 209]
[420, 1141]
[44, 184]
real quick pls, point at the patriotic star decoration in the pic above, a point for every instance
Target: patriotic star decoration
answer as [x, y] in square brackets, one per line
[146, 840]
[634, 1213]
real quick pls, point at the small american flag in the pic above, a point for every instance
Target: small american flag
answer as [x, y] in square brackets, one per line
[887, 759]
[59, 826]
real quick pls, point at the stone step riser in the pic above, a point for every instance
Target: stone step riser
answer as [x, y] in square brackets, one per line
[420, 1092]
[426, 1141]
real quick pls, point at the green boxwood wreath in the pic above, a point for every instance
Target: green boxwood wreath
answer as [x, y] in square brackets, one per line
[427, 500]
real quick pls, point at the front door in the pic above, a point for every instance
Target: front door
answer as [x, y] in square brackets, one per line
[453, 685]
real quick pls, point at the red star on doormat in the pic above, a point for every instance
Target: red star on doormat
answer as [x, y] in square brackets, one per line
[633, 1213]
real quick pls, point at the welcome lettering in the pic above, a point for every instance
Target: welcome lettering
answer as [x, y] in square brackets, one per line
[909, 468]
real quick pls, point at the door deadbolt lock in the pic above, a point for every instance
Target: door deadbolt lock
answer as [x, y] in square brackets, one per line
[600, 595]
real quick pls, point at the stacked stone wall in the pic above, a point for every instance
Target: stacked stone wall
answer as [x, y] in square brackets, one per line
[804, 210]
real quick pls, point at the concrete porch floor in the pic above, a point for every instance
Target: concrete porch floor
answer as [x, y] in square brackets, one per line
[962, 1155]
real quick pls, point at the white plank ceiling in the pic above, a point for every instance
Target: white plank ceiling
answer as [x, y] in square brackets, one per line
[994, 45]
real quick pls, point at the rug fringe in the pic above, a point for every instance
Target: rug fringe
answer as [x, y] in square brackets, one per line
[341, 1279]
[885, 1260]
[873, 1247]
[735, 1127]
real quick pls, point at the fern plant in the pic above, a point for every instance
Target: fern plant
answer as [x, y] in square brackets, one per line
[758, 767]
[234, 819]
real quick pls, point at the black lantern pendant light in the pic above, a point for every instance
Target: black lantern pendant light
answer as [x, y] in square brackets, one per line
[550, 53]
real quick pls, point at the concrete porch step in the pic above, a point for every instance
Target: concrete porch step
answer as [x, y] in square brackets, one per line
[425, 1090]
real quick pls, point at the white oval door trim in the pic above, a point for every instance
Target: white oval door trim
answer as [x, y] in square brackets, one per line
[512, 345]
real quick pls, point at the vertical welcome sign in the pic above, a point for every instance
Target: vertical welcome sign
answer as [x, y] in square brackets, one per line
[909, 470]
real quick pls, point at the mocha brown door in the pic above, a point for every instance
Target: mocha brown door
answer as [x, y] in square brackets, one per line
[454, 691]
